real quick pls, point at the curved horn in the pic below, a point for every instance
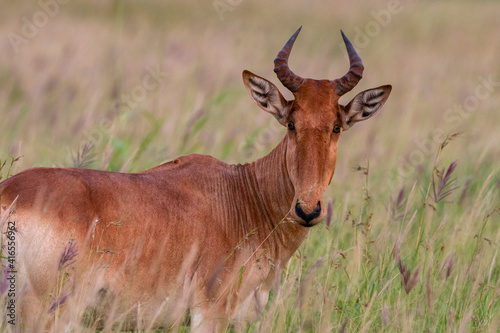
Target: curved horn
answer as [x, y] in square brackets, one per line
[291, 81]
[355, 73]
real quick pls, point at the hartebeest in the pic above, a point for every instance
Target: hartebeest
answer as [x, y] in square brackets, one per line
[195, 232]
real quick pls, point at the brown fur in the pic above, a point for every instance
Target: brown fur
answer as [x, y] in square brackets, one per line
[208, 235]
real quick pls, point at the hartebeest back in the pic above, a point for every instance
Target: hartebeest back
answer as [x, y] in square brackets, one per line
[194, 232]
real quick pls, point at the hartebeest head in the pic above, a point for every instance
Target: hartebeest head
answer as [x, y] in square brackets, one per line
[314, 120]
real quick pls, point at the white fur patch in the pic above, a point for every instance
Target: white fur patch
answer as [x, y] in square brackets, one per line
[196, 318]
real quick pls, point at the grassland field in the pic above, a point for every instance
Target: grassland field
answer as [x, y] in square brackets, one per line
[414, 237]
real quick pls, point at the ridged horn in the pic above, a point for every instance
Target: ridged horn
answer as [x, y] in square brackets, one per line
[355, 73]
[291, 81]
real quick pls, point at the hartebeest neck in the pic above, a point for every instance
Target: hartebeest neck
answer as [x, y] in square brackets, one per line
[273, 192]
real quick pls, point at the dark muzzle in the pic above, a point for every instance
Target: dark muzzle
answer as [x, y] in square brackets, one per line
[308, 217]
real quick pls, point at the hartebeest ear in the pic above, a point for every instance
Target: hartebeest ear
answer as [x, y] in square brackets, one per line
[266, 96]
[365, 105]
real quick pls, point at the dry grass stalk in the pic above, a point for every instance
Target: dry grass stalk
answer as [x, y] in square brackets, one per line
[449, 325]
[366, 172]
[405, 233]
[196, 115]
[464, 324]
[464, 191]
[305, 286]
[386, 313]
[396, 250]
[428, 289]
[492, 266]
[2, 166]
[440, 226]
[6, 213]
[450, 138]
[366, 328]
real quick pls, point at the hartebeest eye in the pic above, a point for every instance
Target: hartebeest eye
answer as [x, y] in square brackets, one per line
[291, 126]
[336, 128]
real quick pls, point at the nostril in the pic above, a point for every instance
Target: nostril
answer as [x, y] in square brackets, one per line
[308, 217]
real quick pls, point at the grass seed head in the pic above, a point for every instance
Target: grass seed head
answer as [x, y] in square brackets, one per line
[397, 206]
[448, 265]
[408, 280]
[329, 213]
[68, 255]
[444, 185]
[84, 157]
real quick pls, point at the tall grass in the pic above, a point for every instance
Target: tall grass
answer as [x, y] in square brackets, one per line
[412, 238]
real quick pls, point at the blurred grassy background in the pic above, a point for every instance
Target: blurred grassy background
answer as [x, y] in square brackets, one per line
[63, 84]
[65, 80]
